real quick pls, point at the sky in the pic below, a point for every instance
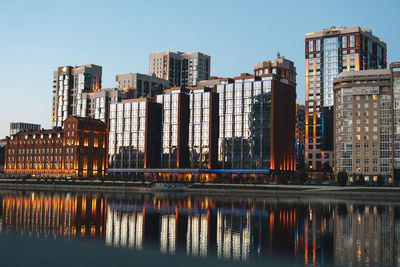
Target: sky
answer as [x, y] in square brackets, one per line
[38, 36]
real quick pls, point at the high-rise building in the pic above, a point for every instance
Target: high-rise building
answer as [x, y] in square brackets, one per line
[134, 134]
[175, 128]
[257, 120]
[142, 85]
[96, 104]
[367, 123]
[327, 54]
[78, 150]
[203, 128]
[300, 134]
[180, 69]
[69, 84]
[16, 127]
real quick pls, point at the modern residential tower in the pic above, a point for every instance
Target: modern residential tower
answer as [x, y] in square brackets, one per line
[16, 127]
[69, 84]
[180, 69]
[367, 123]
[257, 119]
[142, 85]
[328, 53]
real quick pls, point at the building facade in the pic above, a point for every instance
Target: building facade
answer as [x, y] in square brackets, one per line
[78, 150]
[257, 122]
[300, 134]
[175, 128]
[366, 122]
[134, 134]
[203, 128]
[16, 127]
[327, 54]
[280, 67]
[142, 85]
[96, 104]
[180, 69]
[69, 83]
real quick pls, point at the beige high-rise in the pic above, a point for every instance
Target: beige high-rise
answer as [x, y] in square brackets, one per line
[366, 118]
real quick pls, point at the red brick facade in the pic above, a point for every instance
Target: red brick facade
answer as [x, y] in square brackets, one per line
[78, 150]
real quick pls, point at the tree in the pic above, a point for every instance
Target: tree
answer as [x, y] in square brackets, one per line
[342, 178]
[302, 175]
[361, 180]
[283, 177]
[380, 180]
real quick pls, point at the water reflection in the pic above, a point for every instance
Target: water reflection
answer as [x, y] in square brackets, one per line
[300, 230]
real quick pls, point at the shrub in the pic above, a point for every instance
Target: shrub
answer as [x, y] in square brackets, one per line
[342, 178]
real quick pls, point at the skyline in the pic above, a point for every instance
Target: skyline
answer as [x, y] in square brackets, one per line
[39, 39]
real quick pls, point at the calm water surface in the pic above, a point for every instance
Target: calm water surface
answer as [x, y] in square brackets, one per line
[303, 231]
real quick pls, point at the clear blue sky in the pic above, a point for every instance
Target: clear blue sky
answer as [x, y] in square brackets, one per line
[38, 36]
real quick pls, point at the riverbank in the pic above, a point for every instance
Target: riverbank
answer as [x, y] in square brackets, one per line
[256, 190]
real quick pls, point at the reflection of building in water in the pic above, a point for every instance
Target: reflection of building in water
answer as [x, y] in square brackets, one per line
[124, 229]
[367, 237]
[53, 215]
[197, 234]
[233, 237]
[169, 223]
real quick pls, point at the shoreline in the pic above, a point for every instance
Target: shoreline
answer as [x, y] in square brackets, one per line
[238, 190]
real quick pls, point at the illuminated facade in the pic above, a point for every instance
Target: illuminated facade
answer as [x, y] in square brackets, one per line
[327, 54]
[69, 83]
[134, 134]
[175, 128]
[78, 150]
[367, 114]
[257, 121]
[203, 128]
[300, 134]
[180, 69]
[142, 85]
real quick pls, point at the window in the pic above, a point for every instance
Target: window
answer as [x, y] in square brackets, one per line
[310, 46]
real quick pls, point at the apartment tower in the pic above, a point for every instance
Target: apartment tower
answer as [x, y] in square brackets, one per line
[328, 53]
[367, 123]
[180, 69]
[69, 84]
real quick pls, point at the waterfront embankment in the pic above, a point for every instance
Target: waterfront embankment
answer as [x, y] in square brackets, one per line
[243, 190]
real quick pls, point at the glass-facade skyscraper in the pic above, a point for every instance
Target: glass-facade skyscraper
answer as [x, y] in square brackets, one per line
[328, 53]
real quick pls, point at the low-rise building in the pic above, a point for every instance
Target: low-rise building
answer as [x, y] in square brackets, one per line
[78, 150]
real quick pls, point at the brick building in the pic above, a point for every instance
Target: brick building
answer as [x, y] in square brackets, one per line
[78, 150]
